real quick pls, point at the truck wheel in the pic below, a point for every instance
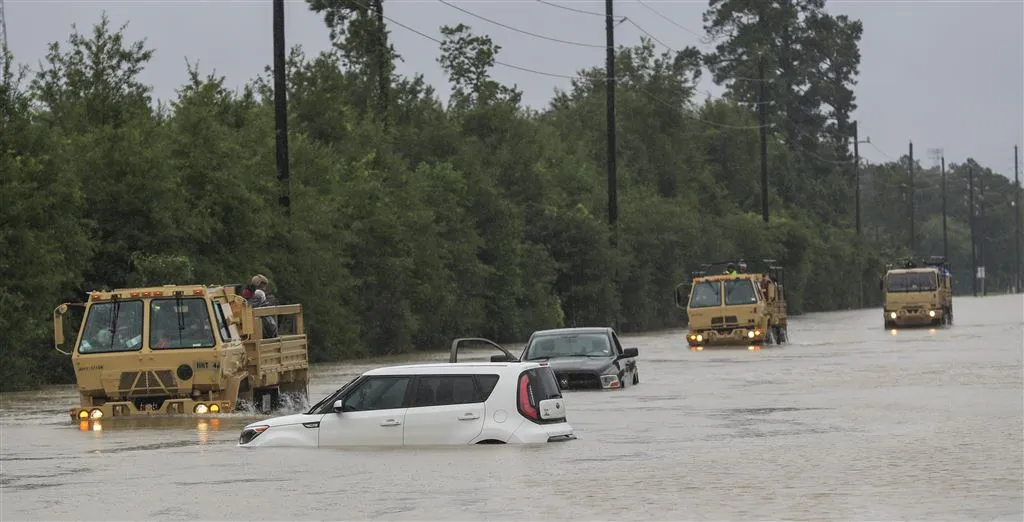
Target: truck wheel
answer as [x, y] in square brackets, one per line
[770, 338]
[783, 335]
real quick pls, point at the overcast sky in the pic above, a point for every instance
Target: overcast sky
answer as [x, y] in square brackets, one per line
[940, 73]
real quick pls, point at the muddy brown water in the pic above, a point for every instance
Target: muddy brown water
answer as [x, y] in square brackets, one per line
[848, 422]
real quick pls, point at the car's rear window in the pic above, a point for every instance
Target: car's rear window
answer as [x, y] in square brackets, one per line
[486, 383]
[544, 384]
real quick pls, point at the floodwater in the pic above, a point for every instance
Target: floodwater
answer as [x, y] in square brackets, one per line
[849, 422]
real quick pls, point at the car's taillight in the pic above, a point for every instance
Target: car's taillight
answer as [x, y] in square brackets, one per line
[525, 406]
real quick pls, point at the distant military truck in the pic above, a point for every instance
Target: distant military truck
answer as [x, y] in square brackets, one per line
[729, 305]
[182, 349]
[917, 293]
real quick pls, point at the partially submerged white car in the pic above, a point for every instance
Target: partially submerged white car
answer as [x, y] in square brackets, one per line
[428, 404]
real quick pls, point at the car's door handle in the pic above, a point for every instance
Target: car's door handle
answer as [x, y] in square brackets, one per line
[390, 422]
[469, 416]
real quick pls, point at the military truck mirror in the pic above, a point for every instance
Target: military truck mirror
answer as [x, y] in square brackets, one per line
[58, 328]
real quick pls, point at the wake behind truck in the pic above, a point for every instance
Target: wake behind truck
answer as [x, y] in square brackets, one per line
[728, 305]
[182, 349]
[917, 293]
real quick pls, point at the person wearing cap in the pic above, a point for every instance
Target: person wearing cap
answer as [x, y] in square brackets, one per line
[259, 282]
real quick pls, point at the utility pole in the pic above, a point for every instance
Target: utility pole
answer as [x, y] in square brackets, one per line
[910, 166]
[763, 113]
[383, 65]
[856, 172]
[609, 29]
[856, 175]
[945, 237]
[281, 107]
[1016, 214]
[3, 34]
[938, 156]
[970, 214]
[981, 225]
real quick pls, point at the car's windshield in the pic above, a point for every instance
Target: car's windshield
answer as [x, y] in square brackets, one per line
[740, 292]
[114, 326]
[569, 345]
[706, 294]
[911, 282]
[180, 323]
[330, 398]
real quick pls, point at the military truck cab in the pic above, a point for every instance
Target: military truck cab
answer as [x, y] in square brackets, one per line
[181, 349]
[728, 305]
[917, 293]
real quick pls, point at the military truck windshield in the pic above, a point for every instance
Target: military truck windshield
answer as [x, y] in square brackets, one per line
[114, 326]
[573, 345]
[911, 282]
[179, 323]
[740, 292]
[706, 294]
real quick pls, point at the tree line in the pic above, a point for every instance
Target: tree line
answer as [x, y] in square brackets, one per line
[413, 221]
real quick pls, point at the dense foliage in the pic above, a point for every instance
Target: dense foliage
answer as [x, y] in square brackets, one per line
[413, 221]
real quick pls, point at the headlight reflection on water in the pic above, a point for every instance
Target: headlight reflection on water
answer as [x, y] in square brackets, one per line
[203, 426]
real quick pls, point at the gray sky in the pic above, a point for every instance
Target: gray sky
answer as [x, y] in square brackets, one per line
[946, 74]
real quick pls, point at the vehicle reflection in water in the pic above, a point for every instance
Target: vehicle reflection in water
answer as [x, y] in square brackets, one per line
[202, 426]
[893, 332]
[749, 348]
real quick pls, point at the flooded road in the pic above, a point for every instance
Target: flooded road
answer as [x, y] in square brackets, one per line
[849, 421]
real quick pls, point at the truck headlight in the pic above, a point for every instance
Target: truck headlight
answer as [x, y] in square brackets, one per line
[931, 313]
[892, 315]
[610, 381]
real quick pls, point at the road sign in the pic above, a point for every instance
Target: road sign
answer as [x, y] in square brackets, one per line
[981, 272]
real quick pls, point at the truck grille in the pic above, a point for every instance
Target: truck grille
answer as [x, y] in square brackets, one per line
[147, 384]
[578, 380]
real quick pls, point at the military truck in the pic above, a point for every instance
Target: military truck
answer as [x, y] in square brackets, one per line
[729, 305]
[917, 292]
[183, 349]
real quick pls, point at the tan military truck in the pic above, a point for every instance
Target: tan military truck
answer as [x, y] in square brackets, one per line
[728, 305]
[917, 293]
[182, 349]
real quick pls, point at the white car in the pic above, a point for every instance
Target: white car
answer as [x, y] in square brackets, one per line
[428, 404]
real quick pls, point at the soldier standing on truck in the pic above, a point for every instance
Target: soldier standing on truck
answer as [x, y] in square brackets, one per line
[259, 300]
[259, 282]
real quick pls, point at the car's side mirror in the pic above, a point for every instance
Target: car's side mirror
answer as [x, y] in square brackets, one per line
[339, 405]
[630, 352]
[502, 358]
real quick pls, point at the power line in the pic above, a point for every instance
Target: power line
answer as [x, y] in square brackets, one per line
[578, 77]
[573, 9]
[649, 35]
[509, 27]
[673, 22]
